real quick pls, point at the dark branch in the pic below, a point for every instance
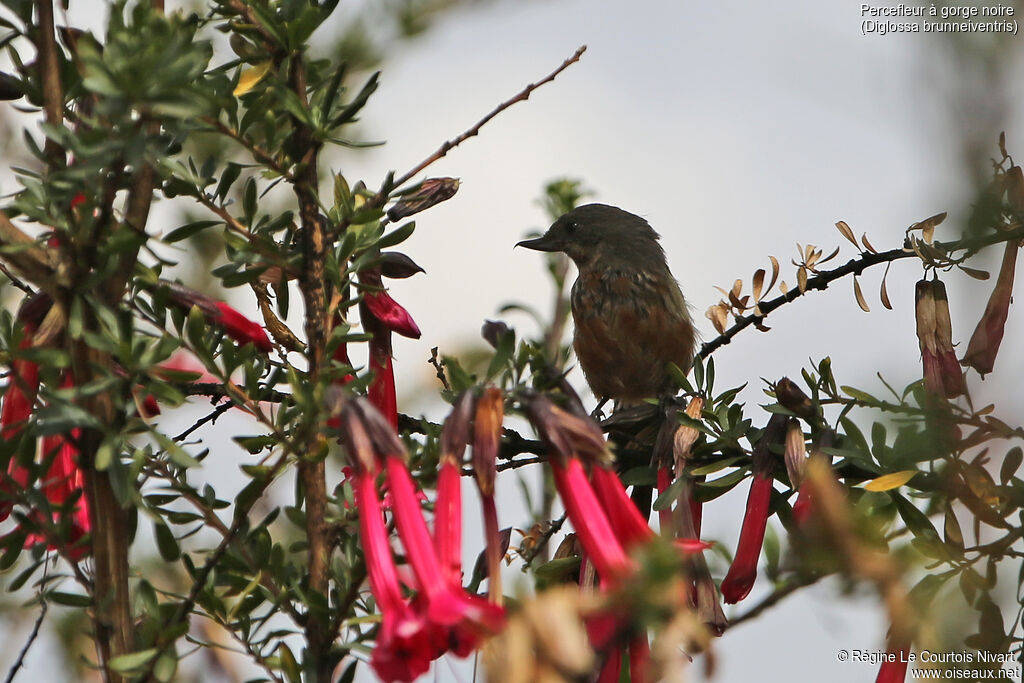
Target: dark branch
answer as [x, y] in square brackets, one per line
[854, 267]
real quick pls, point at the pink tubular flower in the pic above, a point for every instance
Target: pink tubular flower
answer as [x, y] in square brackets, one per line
[743, 570]
[447, 605]
[588, 518]
[404, 647]
[448, 520]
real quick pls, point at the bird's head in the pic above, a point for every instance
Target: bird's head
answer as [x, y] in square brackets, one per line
[602, 235]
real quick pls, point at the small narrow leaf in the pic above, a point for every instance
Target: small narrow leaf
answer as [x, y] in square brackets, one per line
[775, 273]
[867, 245]
[251, 77]
[887, 482]
[846, 232]
[861, 301]
[758, 283]
[883, 293]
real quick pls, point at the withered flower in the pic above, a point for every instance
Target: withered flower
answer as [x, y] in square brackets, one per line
[942, 375]
[984, 344]
[486, 439]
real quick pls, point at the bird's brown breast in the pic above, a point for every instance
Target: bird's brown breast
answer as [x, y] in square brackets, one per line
[629, 326]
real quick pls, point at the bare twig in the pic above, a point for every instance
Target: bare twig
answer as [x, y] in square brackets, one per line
[521, 96]
[20, 661]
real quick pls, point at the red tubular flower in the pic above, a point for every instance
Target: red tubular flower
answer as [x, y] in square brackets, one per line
[894, 668]
[236, 325]
[988, 335]
[21, 392]
[448, 520]
[612, 667]
[446, 606]
[241, 329]
[743, 570]
[63, 480]
[381, 315]
[626, 520]
[404, 647]
[639, 659]
[385, 309]
[588, 518]
[381, 391]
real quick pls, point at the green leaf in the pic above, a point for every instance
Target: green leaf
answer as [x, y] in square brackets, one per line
[188, 230]
[859, 395]
[166, 543]
[1011, 463]
[70, 599]
[397, 236]
[353, 107]
[132, 660]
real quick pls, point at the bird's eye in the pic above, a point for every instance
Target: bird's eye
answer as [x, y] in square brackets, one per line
[571, 227]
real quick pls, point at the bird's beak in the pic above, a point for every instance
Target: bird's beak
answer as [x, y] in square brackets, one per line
[542, 243]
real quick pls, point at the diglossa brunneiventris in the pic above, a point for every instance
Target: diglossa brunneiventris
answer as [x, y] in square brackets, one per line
[631, 318]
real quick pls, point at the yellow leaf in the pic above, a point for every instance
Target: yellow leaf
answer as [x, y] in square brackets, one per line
[251, 76]
[887, 482]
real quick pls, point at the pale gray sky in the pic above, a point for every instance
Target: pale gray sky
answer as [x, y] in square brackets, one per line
[737, 129]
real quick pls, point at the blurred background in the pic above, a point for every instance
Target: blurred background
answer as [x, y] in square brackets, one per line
[737, 130]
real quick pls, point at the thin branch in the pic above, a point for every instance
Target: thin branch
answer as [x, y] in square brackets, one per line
[45, 40]
[523, 95]
[20, 661]
[854, 267]
[773, 599]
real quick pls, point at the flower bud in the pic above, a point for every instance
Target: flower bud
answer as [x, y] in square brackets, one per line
[430, 192]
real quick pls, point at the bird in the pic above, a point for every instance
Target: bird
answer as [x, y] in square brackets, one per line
[630, 317]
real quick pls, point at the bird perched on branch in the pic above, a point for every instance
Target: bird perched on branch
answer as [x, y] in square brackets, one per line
[630, 317]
